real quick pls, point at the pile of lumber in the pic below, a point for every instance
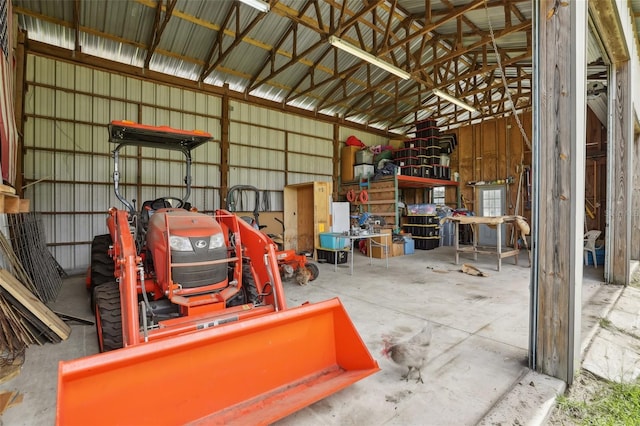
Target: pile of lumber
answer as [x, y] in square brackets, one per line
[24, 317]
[29, 320]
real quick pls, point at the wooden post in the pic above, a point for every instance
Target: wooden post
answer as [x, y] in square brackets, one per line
[336, 161]
[559, 156]
[634, 250]
[20, 92]
[620, 188]
[224, 149]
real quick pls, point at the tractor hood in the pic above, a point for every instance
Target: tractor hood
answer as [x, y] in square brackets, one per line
[182, 223]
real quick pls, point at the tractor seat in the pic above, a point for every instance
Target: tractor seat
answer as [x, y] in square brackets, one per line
[146, 212]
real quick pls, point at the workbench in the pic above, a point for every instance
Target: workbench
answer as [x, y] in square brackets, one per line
[520, 228]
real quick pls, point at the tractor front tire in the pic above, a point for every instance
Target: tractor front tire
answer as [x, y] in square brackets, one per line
[249, 286]
[249, 291]
[108, 312]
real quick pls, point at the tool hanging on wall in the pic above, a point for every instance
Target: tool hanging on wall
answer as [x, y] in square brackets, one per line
[527, 183]
[516, 211]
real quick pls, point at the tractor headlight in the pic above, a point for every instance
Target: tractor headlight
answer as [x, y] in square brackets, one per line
[180, 243]
[217, 240]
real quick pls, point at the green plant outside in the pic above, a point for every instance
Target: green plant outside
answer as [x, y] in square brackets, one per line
[610, 404]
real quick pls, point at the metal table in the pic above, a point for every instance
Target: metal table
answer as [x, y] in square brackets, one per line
[353, 238]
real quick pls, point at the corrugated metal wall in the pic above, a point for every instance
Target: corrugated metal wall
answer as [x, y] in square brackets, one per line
[67, 158]
[68, 164]
[270, 149]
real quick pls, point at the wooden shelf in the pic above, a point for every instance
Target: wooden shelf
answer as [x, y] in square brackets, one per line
[418, 182]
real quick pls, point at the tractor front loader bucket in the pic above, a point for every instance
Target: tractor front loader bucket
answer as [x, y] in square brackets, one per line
[254, 371]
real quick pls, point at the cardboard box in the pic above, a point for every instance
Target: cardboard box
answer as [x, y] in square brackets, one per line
[347, 161]
[396, 143]
[398, 249]
[378, 251]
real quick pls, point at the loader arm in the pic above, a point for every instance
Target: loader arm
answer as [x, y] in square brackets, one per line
[127, 261]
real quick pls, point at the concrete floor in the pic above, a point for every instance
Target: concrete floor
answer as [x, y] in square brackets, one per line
[478, 354]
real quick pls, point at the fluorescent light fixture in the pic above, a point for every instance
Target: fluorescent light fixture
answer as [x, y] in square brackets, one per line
[261, 5]
[356, 51]
[439, 93]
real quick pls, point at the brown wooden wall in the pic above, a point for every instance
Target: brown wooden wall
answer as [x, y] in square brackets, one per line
[490, 151]
[495, 149]
[595, 174]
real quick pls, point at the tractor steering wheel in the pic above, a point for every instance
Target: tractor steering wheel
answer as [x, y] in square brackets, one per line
[159, 203]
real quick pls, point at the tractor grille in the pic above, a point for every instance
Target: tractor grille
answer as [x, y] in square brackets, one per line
[198, 276]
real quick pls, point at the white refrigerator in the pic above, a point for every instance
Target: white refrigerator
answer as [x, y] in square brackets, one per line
[340, 220]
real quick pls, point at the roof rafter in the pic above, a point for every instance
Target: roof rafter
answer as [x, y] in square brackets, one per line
[76, 25]
[239, 36]
[159, 27]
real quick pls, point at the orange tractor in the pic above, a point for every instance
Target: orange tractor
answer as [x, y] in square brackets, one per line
[192, 318]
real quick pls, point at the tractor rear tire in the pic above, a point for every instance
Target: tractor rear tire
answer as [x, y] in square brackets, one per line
[108, 312]
[313, 268]
[249, 292]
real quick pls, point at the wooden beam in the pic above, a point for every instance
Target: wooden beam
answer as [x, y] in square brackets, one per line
[559, 161]
[225, 123]
[47, 50]
[271, 56]
[606, 20]
[76, 25]
[634, 244]
[336, 160]
[20, 89]
[292, 62]
[158, 28]
[222, 55]
[431, 27]
[620, 188]
[217, 42]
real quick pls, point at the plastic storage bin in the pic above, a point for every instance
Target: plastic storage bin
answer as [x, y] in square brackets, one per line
[333, 256]
[363, 171]
[427, 243]
[333, 241]
[364, 156]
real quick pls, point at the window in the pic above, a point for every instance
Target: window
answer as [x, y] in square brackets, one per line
[492, 202]
[438, 195]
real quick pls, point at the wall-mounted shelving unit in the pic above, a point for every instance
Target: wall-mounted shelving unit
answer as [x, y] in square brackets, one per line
[384, 194]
